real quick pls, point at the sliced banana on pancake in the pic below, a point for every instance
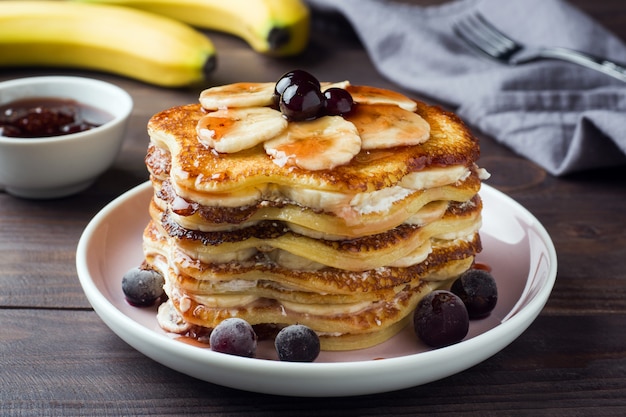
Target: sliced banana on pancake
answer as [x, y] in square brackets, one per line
[236, 129]
[237, 95]
[322, 143]
[374, 95]
[382, 126]
[341, 84]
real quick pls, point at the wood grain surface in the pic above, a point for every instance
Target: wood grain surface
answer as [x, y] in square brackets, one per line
[57, 358]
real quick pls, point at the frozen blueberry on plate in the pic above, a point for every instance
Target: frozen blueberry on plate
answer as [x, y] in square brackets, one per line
[142, 287]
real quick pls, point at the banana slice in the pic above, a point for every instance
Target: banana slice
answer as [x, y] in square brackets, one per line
[341, 84]
[373, 95]
[233, 130]
[170, 319]
[383, 126]
[237, 95]
[322, 143]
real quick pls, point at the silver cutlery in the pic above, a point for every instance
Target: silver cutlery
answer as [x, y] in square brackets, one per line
[476, 31]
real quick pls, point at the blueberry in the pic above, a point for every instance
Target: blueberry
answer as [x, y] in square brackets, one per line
[142, 287]
[234, 336]
[297, 343]
[477, 288]
[441, 319]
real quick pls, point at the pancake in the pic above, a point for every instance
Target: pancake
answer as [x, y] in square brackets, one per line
[204, 175]
[341, 223]
[416, 207]
[355, 254]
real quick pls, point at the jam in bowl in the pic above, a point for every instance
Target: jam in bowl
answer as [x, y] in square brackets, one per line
[58, 134]
[41, 117]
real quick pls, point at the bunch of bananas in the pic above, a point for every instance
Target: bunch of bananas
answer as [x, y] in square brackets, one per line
[149, 40]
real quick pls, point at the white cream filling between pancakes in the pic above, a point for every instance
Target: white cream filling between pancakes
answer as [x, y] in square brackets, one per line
[290, 260]
[361, 203]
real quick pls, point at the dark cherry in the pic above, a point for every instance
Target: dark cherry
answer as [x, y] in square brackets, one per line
[337, 101]
[441, 319]
[291, 78]
[298, 95]
[301, 101]
[477, 288]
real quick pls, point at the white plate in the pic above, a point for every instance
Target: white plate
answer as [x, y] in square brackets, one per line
[516, 246]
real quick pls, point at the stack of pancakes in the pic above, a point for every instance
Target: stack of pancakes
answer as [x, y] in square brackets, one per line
[348, 250]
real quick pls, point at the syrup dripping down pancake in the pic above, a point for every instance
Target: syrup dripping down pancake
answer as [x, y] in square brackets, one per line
[347, 251]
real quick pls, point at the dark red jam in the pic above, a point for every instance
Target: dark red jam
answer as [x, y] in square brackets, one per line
[47, 117]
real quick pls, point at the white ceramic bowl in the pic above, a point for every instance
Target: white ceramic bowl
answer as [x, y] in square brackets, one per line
[62, 165]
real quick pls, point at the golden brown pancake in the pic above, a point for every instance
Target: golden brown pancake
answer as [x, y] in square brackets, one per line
[197, 169]
[347, 251]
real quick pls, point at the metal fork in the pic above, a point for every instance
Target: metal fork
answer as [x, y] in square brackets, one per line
[482, 35]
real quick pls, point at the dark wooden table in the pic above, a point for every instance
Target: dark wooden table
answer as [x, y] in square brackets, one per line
[58, 358]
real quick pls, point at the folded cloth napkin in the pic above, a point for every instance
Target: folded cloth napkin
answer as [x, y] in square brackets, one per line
[564, 117]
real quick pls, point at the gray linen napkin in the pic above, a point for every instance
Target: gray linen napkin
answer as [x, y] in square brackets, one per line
[564, 117]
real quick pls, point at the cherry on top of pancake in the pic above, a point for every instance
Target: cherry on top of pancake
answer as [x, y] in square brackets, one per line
[200, 168]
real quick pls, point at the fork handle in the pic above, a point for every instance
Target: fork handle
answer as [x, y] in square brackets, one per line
[600, 64]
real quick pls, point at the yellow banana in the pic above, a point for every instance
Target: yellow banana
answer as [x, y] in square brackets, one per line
[273, 27]
[119, 40]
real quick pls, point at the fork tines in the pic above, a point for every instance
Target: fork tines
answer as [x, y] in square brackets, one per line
[482, 35]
